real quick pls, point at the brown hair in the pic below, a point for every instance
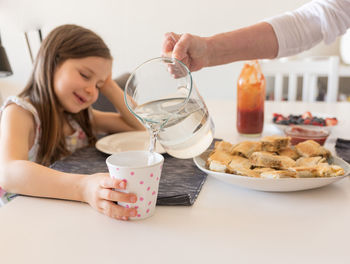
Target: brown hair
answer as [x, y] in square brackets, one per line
[64, 42]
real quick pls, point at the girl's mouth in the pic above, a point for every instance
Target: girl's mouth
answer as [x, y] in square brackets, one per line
[79, 98]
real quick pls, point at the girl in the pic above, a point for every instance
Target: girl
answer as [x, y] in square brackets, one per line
[52, 117]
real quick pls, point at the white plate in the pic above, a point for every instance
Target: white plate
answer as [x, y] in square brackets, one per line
[272, 185]
[126, 141]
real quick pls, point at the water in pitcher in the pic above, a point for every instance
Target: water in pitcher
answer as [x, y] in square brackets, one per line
[183, 134]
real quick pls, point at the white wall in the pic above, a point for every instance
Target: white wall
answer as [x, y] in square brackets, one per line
[134, 29]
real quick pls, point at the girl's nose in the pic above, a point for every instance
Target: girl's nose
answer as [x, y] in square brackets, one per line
[90, 89]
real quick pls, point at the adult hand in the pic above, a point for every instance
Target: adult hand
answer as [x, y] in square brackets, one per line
[190, 49]
[99, 193]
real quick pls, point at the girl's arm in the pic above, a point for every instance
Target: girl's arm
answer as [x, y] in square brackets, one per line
[18, 175]
[115, 122]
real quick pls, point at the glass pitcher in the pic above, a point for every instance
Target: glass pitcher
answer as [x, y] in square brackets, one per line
[162, 95]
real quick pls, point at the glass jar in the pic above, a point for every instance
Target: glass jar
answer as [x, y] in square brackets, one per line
[250, 100]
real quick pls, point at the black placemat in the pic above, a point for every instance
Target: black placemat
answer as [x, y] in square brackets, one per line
[180, 183]
[342, 147]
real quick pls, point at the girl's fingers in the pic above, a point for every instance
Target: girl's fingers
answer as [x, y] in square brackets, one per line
[116, 211]
[109, 182]
[111, 195]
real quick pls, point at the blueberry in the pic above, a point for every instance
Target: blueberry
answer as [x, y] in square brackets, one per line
[300, 120]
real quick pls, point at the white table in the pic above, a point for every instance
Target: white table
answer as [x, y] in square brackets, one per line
[227, 224]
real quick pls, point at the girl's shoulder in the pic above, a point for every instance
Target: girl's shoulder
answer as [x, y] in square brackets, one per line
[20, 106]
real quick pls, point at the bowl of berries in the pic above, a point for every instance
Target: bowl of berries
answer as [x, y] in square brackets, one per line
[306, 119]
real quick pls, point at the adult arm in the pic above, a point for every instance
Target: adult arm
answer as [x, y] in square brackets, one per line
[280, 36]
[254, 42]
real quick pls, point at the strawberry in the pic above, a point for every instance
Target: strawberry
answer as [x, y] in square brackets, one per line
[316, 123]
[306, 115]
[331, 121]
[280, 118]
[307, 121]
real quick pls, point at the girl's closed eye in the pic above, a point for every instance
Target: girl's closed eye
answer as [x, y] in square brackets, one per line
[84, 76]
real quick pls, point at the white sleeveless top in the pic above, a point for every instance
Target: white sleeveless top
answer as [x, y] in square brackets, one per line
[73, 142]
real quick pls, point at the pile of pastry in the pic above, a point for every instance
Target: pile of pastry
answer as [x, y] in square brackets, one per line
[273, 157]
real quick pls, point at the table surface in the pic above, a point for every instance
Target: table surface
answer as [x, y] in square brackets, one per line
[226, 223]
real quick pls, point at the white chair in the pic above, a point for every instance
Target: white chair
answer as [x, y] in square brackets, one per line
[309, 69]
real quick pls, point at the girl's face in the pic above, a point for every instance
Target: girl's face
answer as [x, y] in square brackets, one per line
[77, 81]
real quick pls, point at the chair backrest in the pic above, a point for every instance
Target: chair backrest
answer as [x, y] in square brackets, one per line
[309, 69]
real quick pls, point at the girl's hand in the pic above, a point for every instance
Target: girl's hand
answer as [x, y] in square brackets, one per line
[108, 86]
[99, 193]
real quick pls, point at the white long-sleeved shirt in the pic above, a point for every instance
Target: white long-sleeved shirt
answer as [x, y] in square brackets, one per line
[303, 28]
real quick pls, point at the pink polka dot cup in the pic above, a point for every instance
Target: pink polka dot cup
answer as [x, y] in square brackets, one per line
[142, 171]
